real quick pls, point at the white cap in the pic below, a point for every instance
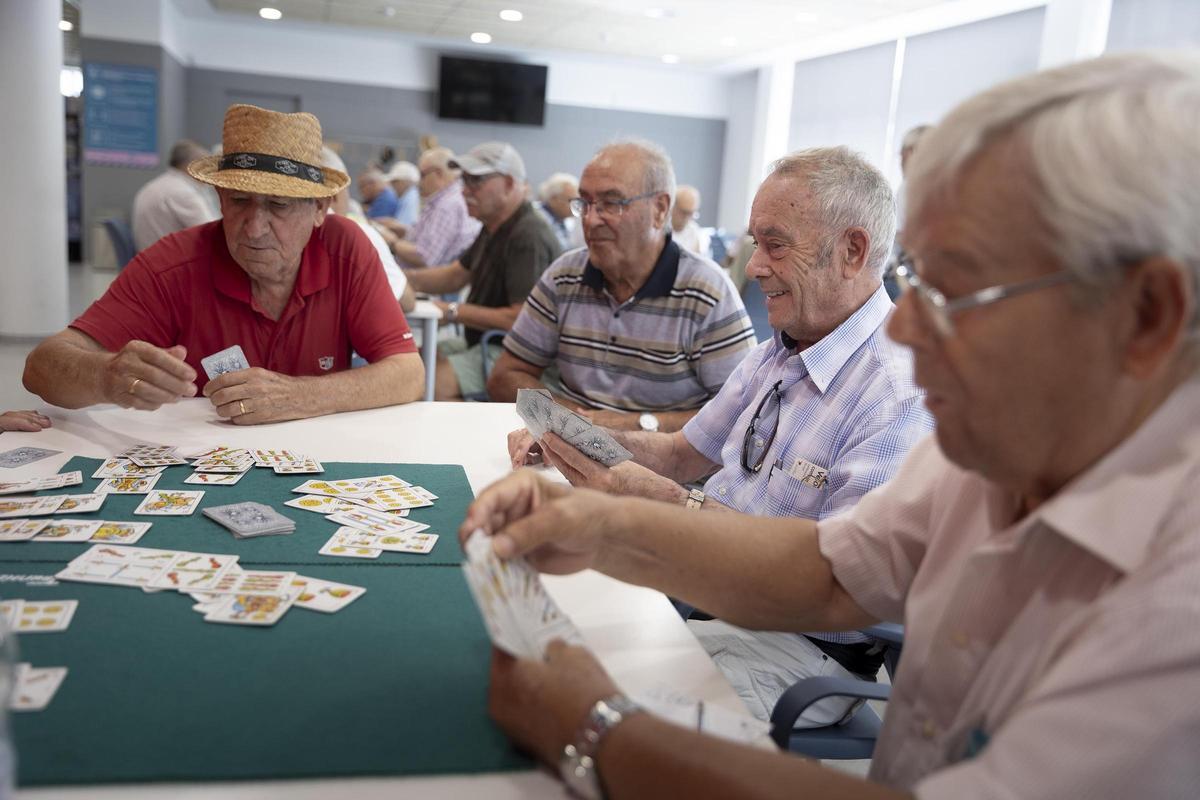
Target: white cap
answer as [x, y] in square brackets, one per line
[491, 157]
[403, 171]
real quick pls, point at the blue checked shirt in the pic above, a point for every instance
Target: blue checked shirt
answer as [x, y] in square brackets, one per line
[850, 408]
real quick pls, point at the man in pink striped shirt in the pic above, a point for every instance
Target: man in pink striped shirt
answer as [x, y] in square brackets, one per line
[1042, 548]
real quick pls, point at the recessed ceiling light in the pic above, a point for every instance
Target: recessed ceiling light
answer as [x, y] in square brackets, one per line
[511, 15]
[479, 37]
[807, 16]
[266, 12]
[65, 25]
[670, 58]
[728, 41]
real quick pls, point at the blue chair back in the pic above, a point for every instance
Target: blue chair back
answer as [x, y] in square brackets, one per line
[121, 238]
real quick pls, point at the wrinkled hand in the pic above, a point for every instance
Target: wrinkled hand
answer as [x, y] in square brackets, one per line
[557, 529]
[586, 473]
[613, 420]
[523, 449]
[256, 395]
[143, 376]
[543, 704]
[28, 421]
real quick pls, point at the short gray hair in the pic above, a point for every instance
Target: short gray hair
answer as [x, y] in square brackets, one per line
[439, 157]
[658, 172]
[554, 185]
[849, 193]
[1113, 147]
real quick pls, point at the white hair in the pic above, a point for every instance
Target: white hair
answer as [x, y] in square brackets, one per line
[331, 160]
[555, 184]
[658, 171]
[849, 193]
[1112, 146]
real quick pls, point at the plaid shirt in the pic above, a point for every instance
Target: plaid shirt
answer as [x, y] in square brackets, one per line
[850, 407]
[444, 230]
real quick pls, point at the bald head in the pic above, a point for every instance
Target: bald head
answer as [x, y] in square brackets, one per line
[370, 184]
[435, 171]
[686, 207]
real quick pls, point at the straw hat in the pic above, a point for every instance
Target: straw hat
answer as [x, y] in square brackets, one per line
[266, 152]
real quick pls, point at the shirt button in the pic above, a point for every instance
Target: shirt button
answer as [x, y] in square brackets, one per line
[721, 490]
[928, 730]
[758, 442]
[959, 639]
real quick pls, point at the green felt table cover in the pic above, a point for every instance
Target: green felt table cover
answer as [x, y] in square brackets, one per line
[393, 684]
[198, 533]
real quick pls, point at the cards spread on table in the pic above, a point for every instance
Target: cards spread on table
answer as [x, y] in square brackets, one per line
[392, 542]
[20, 530]
[214, 478]
[38, 484]
[231, 359]
[541, 413]
[325, 596]
[35, 687]
[250, 519]
[127, 485]
[68, 530]
[21, 456]
[120, 532]
[332, 548]
[519, 614]
[44, 616]
[173, 502]
[117, 467]
[29, 506]
[80, 503]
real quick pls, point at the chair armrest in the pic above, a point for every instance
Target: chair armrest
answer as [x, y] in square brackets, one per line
[803, 693]
[489, 336]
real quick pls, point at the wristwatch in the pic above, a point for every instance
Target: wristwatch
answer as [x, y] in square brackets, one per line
[452, 312]
[695, 499]
[648, 422]
[577, 765]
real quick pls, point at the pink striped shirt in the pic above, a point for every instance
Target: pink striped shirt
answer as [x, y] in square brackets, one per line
[1054, 657]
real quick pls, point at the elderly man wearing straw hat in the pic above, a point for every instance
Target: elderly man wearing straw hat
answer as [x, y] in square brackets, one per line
[297, 289]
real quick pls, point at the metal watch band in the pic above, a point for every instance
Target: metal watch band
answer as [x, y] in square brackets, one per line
[695, 499]
[577, 765]
[452, 312]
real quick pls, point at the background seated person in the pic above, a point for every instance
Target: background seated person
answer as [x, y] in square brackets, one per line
[297, 289]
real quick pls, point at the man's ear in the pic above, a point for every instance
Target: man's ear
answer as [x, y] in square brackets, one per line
[855, 245]
[1161, 297]
[662, 209]
[322, 210]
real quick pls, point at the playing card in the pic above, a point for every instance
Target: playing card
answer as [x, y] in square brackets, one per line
[124, 468]
[252, 609]
[376, 521]
[35, 687]
[147, 450]
[68, 530]
[227, 463]
[396, 499]
[127, 485]
[321, 504]
[374, 483]
[174, 502]
[322, 488]
[80, 503]
[325, 596]
[303, 466]
[45, 616]
[241, 581]
[541, 413]
[231, 359]
[37, 484]
[120, 532]
[250, 519]
[165, 460]
[20, 530]
[269, 458]
[332, 548]
[21, 456]
[215, 478]
[29, 506]
[389, 542]
[9, 610]
[121, 566]
[192, 572]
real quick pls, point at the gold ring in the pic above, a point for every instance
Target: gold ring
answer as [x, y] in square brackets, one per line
[241, 407]
[133, 386]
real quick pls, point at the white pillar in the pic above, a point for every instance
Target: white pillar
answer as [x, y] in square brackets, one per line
[33, 204]
[1074, 30]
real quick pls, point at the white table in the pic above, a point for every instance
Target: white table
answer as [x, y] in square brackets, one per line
[429, 315]
[635, 632]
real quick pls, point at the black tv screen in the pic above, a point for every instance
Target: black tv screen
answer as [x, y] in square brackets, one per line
[492, 91]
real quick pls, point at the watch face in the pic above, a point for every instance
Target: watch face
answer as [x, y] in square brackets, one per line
[648, 422]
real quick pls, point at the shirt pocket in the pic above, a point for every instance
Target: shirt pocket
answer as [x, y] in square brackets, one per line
[788, 496]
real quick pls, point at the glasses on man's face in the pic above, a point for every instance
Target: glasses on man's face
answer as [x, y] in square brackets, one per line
[475, 181]
[761, 431]
[941, 311]
[607, 208]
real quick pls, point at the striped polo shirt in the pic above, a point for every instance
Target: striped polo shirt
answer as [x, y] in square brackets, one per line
[669, 347]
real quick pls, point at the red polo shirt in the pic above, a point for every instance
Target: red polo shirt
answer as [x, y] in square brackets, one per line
[186, 289]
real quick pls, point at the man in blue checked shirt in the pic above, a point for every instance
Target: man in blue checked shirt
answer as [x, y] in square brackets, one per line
[808, 422]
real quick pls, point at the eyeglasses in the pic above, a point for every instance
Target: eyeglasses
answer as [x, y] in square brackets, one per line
[610, 209]
[941, 311]
[475, 181]
[762, 429]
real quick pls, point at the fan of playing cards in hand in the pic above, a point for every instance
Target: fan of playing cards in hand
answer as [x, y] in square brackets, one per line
[540, 413]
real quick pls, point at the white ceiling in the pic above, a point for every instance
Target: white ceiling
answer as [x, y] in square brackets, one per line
[702, 33]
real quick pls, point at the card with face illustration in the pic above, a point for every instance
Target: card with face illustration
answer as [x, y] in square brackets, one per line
[252, 609]
[80, 503]
[325, 596]
[20, 530]
[175, 502]
[68, 530]
[124, 468]
[45, 616]
[29, 506]
[120, 532]
[127, 485]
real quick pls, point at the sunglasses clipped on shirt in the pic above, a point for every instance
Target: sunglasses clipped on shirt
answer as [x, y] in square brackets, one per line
[760, 434]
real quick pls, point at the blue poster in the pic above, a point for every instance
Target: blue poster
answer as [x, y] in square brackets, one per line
[120, 115]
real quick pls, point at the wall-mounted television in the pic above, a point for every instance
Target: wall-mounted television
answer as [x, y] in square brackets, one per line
[491, 91]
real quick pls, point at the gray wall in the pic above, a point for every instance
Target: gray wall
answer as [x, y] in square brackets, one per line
[363, 118]
[1137, 24]
[110, 190]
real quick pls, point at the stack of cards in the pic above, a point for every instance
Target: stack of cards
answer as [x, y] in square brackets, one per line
[225, 460]
[35, 686]
[152, 455]
[120, 467]
[541, 413]
[249, 519]
[520, 616]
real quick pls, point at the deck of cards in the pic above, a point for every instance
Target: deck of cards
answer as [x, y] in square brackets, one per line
[249, 519]
[541, 413]
[371, 512]
[521, 618]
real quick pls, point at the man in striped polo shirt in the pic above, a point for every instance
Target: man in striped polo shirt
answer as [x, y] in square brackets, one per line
[640, 332]
[809, 422]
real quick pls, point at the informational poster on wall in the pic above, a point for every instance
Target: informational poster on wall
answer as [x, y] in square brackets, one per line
[120, 116]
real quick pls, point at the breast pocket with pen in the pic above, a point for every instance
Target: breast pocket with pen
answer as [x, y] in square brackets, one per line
[797, 487]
